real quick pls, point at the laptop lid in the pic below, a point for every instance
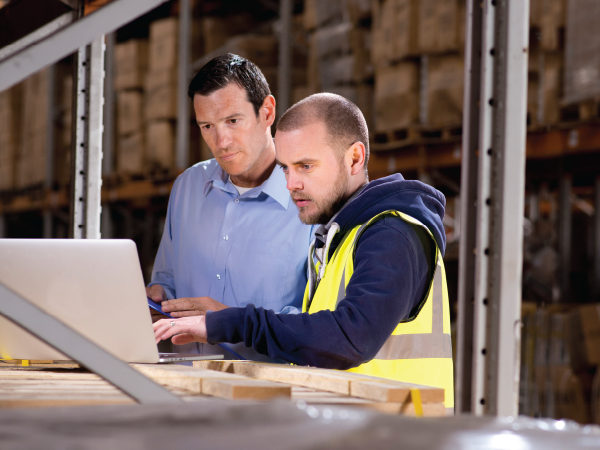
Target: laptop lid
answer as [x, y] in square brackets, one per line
[94, 286]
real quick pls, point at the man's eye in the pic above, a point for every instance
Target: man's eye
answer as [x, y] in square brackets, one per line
[307, 167]
[206, 127]
[284, 168]
[234, 120]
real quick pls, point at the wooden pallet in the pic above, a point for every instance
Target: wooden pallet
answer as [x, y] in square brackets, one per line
[416, 134]
[42, 385]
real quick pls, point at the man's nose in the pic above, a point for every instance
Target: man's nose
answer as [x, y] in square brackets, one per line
[293, 182]
[223, 138]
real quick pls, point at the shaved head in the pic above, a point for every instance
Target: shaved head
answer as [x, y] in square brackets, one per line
[343, 120]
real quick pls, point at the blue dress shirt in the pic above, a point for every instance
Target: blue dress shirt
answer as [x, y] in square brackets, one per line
[236, 249]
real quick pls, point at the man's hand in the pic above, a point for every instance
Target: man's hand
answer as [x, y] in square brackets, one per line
[193, 306]
[158, 295]
[182, 331]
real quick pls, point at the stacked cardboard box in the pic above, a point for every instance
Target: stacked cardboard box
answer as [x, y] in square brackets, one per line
[63, 122]
[10, 117]
[546, 62]
[559, 356]
[582, 57]
[31, 157]
[418, 44]
[160, 103]
[339, 59]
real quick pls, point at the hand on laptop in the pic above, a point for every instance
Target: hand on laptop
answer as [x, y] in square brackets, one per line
[193, 306]
[158, 295]
[182, 331]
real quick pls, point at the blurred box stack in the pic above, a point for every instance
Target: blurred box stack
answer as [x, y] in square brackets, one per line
[582, 59]
[418, 59]
[63, 125]
[339, 58]
[131, 61]
[10, 118]
[160, 103]
[34, 123]
[559, 359]
[546, 62]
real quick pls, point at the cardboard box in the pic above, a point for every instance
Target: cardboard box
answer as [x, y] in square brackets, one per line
[163, 45]
[131, 64]
[129, 112]
[160, 138]
[582, 58]
[410, 27]
[10, 118]
[160, 100]
[131, 154]
[31, 157]
[396, 96]
[552, 18]
[64, 121]
[260, 49]
[320, 12]
[445, 82]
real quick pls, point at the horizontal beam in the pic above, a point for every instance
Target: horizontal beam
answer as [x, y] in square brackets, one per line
[36, 35]
[67, 40]
[77, 347]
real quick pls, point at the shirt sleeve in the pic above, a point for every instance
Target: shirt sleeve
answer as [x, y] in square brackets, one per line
[162, 272]
[390, 277]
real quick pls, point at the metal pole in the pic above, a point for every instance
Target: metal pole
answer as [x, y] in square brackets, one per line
[109, 107]
[79, 348]
[468, 207]
[423, 77]
[47, 214]
[564, 238]
[87, 176]
[596, 283]
[67, 40]
[284, 70]
[183, 102]
[508, 205]
[497, 145]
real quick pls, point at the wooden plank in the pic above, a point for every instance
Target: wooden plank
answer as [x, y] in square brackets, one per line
[345, 383]
[248, 389]
[210, 382]
[312, 378]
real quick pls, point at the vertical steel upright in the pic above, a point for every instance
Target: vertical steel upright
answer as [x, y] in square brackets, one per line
[182, 145]
[284, 69]
[493, 188]
[565, 219]
[47, 213]
[87, 150]
[596, 265]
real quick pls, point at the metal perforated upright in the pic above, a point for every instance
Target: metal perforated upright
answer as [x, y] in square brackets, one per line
[493, 191]
[87, 150]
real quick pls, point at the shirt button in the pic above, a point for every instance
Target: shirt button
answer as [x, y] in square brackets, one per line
[218, 277]
[226, 237]
[237, 200]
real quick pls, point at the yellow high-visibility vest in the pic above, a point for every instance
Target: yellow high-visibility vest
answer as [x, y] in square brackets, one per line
[420, 349]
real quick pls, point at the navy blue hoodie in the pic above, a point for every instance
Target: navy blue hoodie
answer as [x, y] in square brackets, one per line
[392, 268]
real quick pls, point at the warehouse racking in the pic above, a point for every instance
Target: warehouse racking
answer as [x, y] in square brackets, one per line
[562, 144]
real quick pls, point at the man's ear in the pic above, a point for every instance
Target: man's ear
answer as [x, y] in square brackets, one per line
[267, 110]
[356, 154]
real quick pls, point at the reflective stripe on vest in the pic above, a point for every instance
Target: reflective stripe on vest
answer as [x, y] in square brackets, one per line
[421, 340]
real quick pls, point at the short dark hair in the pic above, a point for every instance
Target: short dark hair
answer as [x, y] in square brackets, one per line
[343, 120]
[229, 68]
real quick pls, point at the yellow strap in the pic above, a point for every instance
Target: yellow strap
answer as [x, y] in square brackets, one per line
[25, 362]
[415, 395]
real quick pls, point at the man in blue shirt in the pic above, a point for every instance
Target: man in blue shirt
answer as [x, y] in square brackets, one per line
[232, 234]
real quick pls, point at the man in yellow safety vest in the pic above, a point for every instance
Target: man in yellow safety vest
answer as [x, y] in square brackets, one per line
[376, 302]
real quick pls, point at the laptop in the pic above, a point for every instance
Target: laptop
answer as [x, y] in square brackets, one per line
[95, 286]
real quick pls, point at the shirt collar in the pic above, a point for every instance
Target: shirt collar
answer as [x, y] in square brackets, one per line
[274, 186]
